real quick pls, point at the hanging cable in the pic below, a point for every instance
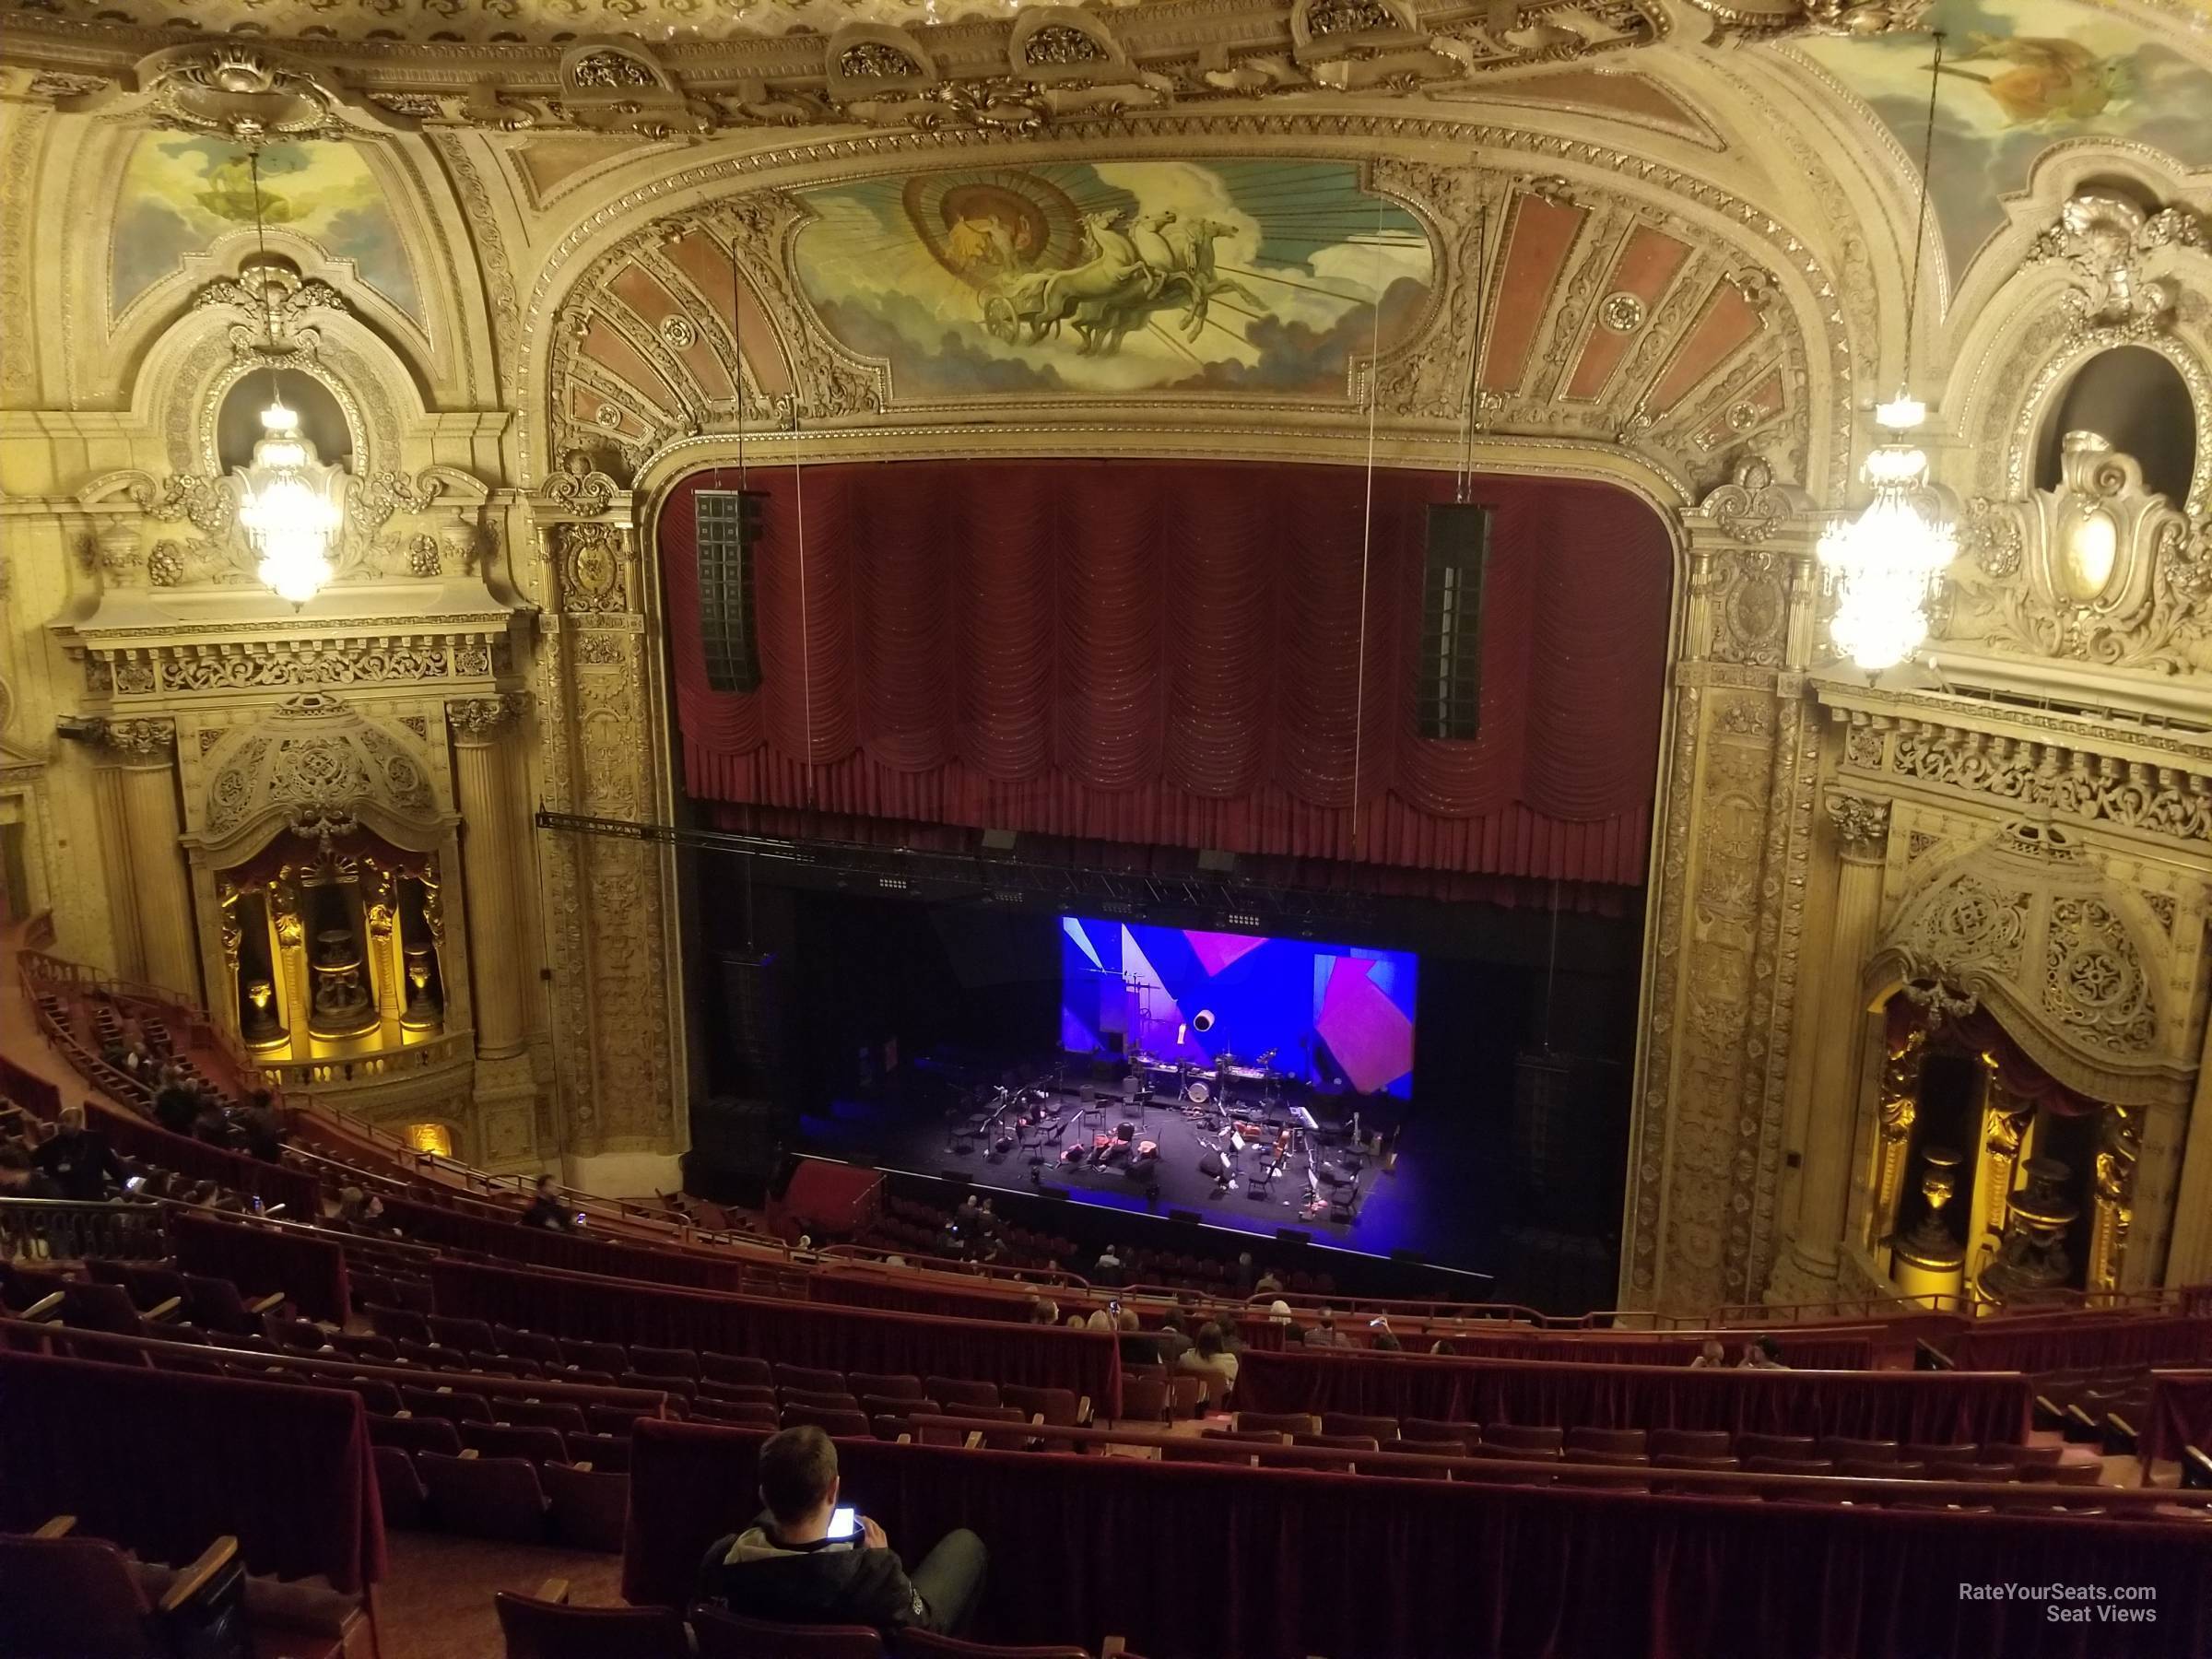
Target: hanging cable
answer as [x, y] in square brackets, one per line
[1920, 223]
[1551, 966]
[269, 305]
[1367, 524]
[737, 355]
[1482, 280]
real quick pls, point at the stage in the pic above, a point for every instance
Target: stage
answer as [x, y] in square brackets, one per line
[1399, 1199]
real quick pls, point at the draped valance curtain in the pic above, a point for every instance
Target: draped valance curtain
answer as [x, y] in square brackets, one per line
[1184, 654]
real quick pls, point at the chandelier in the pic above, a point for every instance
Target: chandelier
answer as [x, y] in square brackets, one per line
[290, 502]
[289, 506]
[1883, 566]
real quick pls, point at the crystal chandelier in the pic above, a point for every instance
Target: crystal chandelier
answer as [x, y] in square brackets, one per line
[290, 502]
[289, 506]
[1883, 566]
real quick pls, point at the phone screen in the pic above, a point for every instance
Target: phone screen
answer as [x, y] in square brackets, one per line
[845, 1521]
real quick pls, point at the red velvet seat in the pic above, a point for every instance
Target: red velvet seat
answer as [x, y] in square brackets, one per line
[614, 1420]
[485, 1497]
[1749, 1446]
[80, 1597]
[1687, 1442]
[1840, 1450]
[507, 1439]
[399, 1490]
[737, 1394]
[608, 1453]
[1438, 1428]
[953, 1391]
[741, 1414]
[544, 1627]
[1346, 1422]
[912, 1643]
[1613, 1441]
[377, 1397]
[416, 1434]
[381, 1349]
[1427, 1448]
[812, 1378]
[588, 1507]
[735, 1368]
[526, 1345]
[96, 1307]
[1522, 1437]
[564, 1416]
[1143, 1399]
[398, 1324]
[664, 1362]
[470, 1335]
[608, 1356]
[724, 1635]
[818, 1399]
[445, 1403]
[885, 1387]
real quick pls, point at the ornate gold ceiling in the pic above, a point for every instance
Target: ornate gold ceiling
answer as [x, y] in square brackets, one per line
[673, 68]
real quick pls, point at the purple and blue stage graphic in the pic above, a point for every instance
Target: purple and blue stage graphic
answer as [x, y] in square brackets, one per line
[1335, 1016]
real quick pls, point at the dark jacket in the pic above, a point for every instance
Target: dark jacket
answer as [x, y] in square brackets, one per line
[812, 1583]
[81, 1164]
[547, 1213]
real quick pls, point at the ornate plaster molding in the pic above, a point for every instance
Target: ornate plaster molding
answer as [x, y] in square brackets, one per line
[485, 720]
[1861, 824]
[139, 741]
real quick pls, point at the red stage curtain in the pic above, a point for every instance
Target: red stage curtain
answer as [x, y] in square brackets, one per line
[165, 1463]
[1172, 653]
[2078, 1342]
[1195, 1562]
[1929, 1407]
[1833, 1350]
[2181, 1414]
[311, 1271]
[800, 1333]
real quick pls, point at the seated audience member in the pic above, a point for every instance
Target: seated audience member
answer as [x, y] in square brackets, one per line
[1076, 1321]
[546, 1209]
[1044, 1311]
[78, 1161]
[786, 1569]
[1325, 1334]
[1098, 1320]
[1245, 1274]
[1711, 1356]
[1765, 1354]
[1108, 1268]
[1278, 1311]
[211, 1123]
[1384, 1339]
[176, 1105]
[1209, 1356]
[1267, 1283]
[1137, 1347]
[1173, 1341]
[1442, 1344]
[264, 1126]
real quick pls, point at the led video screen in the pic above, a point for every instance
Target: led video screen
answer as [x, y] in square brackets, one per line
[1336, 1017]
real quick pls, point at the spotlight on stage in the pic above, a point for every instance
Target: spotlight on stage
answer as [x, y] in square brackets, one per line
[1203, 1021]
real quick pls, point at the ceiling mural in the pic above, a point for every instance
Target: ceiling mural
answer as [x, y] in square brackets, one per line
[181, 193]
[2019, 75]
[1235, 276]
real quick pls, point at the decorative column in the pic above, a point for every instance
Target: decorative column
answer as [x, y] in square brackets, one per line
[1734, 837]
[490, 832]
[145, 814]
[1862, 832]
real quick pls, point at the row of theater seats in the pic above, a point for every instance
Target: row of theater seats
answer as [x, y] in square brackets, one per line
[1712, 1450]
[2102, 1407]
[545, 1627]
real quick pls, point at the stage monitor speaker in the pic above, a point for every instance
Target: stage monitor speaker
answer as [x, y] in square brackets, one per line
[1290, 1235]
[1190, 1215]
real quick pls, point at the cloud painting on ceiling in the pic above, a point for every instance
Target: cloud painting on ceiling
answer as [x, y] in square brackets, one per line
[2019, 75]
[1264, 277]
[179, 195]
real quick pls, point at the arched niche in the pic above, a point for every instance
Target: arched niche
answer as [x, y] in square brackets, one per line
[2135, 399]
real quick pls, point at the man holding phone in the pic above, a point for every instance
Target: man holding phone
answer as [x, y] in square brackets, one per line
[811, 1561]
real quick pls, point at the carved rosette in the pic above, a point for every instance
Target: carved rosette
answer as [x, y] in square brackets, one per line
[1862, 824]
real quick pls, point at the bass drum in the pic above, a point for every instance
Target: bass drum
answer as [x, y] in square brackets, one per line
[1199, 1092]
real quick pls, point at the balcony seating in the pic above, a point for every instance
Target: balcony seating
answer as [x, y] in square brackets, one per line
[536, 1446]
[588, 1507]
[399, 1490]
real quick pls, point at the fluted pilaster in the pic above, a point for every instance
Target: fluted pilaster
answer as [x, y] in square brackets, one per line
[489, 832]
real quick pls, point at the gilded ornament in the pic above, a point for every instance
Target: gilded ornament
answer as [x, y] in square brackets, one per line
[1861, 823]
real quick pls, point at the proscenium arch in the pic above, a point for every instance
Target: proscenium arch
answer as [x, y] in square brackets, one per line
[1746, 238]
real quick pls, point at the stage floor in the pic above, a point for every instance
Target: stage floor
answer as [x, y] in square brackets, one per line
[1434, 1201]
